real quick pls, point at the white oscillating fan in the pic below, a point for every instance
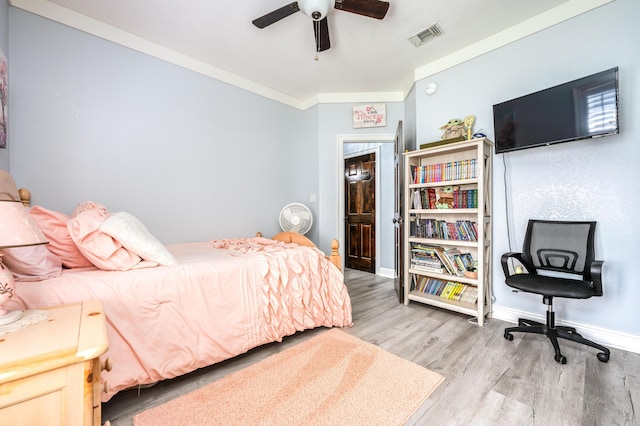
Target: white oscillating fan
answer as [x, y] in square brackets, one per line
[296, 217]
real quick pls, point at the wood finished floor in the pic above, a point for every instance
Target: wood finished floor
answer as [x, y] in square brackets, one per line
[488, 380]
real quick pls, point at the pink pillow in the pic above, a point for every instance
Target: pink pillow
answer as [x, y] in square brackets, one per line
[101, 249]
[33, 263]
[54, 227]
[90, 206]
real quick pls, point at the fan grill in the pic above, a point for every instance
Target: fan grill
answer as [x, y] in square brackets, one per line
[296, 217]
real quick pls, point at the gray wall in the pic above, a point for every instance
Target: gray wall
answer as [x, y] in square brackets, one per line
[195, 158]
[334, 120]
[410, 120]
[584, 180]
[192, 157]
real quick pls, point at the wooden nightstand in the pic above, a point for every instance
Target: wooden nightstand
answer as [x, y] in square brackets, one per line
[50, 371]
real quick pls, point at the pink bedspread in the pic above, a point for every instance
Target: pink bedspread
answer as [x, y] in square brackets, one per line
[222, 299]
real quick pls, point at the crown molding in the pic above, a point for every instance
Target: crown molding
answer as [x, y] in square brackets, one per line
[524, 29]
[73, 19]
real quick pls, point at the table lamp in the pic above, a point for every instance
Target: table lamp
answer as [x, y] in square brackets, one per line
[17, 229]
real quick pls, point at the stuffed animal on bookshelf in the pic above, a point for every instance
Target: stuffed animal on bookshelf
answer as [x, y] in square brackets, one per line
[444, 197]
[453, 129]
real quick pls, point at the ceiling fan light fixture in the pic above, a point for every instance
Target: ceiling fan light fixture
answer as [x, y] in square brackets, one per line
[316, 9]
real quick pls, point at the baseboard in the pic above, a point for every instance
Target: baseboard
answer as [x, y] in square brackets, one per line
[387, 273]
[606, 337]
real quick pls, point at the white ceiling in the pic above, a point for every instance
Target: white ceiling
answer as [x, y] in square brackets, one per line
[366, 55]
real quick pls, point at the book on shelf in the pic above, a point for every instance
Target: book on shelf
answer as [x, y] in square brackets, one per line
[424, 268]
[424, 198]
[459, 291]
[421, 284]
[445, 172]
[453, 289]
[448, 290]
[464, 230]
[445, 261]
[427, 265]
[445, 289]
[431, 198]
[437, 259]
[421, 260]
[470, 295]
[424, 253]
[459, 263]
[451, 257]
[469, 263]
[451, 198]
[415, 202]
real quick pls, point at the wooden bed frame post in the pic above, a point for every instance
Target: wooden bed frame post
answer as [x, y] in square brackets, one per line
[301, 240]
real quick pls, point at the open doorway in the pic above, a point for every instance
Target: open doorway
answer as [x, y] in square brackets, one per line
[382, 146]
[360, 210]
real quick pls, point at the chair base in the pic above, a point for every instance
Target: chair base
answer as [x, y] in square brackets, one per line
[553, 333]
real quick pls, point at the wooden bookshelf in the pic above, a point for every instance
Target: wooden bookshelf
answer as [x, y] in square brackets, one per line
[457, 226]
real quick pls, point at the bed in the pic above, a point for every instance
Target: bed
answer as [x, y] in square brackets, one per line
[209, 302]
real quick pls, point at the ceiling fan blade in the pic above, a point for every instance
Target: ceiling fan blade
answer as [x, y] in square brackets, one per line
[372, 8]
[321, 32]
[276, 15]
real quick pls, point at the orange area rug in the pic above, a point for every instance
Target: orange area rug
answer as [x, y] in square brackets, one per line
[333, 378]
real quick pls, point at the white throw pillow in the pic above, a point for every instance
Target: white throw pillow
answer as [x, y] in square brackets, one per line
[134, 236]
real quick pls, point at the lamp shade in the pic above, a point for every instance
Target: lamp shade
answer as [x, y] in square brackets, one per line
[8, 188]
[17, 229]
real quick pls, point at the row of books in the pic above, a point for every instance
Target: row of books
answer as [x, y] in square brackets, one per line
[450, 290]
[461, 230]
[436, 259]
[429, 198]
[454, 170]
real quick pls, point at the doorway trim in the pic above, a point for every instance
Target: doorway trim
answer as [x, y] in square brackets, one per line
[360, 138]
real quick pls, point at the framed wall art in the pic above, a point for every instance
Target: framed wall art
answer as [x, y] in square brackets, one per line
[369, 115]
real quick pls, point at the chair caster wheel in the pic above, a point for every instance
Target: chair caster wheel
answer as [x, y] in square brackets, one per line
[562, 359]
[508, 336]
[603, 357]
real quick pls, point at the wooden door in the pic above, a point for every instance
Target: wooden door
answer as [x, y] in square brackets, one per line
[398, 206]
[360, 212]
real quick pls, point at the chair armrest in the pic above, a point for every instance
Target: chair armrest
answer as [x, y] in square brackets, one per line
[596, 276]
[504, 260]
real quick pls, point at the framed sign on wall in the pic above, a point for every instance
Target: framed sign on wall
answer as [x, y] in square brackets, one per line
[369, 115]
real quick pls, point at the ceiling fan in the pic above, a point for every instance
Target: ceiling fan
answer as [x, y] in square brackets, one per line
[317, 10]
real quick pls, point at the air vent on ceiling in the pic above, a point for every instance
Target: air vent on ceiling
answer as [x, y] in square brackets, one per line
[425, 35]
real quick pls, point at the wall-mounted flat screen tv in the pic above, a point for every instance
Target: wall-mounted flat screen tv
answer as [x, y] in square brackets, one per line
[580, 109]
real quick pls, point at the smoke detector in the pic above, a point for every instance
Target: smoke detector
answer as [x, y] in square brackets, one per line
[425, 35]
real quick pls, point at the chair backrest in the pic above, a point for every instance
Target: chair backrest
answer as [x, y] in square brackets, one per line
[562, 246]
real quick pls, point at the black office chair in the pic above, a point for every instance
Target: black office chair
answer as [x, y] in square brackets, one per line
[561, 247]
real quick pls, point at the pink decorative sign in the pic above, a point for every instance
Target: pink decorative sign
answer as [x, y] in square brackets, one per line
[370, 115]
